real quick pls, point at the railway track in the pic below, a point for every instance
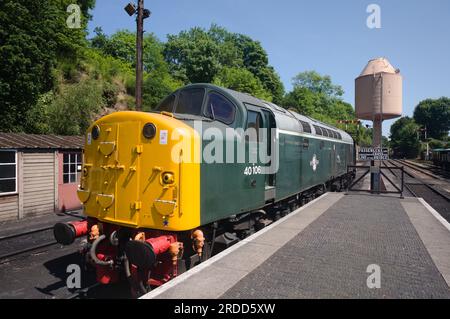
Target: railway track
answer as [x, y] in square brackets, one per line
[433, 172]
[20, 243]
[17, 244]
[438, 199]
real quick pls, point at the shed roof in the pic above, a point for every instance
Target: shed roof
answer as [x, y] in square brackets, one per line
[35, 141]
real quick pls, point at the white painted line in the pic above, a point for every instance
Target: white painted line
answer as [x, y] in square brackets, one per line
[435, 213]
[224, 253]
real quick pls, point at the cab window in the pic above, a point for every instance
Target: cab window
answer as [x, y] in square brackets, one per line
[219, 108]
[167, 104]
[190, 101]
[254, 120]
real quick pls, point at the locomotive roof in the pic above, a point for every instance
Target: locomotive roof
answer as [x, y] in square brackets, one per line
[287, 120]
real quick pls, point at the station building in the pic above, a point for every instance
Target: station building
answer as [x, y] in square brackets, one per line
[39, 174]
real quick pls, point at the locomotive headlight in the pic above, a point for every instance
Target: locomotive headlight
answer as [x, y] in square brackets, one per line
[95, 132]
[149, 130]
[168, 178]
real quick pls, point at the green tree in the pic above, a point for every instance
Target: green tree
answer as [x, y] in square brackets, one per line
[34, 39]
[315, 95]
[404, 139]
[303, 100]
[198, 55]
[243, 81]
[158, 83]
[317, 83]
[255, 59]
[193, 56]
[72, 111]
[157, 86]
[435, 116]
[122, 45]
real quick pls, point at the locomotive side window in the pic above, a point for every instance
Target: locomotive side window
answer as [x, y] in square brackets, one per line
[330, 132]
[322, 144]
[167, 104]
[306, 127]
[190, 101]
[219, 108]
[254, 120]
[318, 130]
[305, 143]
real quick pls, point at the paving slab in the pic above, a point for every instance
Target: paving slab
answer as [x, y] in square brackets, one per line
[216, 275]
[329, 248]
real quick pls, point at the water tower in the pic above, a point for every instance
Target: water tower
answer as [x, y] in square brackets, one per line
[378, 95]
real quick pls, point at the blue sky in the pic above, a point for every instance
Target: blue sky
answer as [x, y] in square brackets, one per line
[330, 37]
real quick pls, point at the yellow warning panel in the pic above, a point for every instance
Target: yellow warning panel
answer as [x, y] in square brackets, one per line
[142, 180]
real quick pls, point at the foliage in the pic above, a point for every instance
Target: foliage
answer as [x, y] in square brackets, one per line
[193, 56]
[38, 116]
[72, 110]
[243, 81]
[52, 80]
[404, 138]
[121, 46]
[435, 116]
[316, 83]
[433, 143]
[198, 55]
[156, 86]
[316, 96]
[33, 38]
[100, 66]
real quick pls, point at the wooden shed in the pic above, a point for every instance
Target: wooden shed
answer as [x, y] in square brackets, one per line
[39, 174]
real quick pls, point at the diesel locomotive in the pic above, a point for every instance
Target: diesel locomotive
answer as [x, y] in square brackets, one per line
[161, 194]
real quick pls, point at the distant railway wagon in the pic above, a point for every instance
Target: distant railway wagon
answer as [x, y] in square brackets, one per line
[165, 190]
[441, 157]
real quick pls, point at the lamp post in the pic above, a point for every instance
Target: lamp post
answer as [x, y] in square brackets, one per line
[142, 14]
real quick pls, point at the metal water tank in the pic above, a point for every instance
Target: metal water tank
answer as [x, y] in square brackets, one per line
[378, 91]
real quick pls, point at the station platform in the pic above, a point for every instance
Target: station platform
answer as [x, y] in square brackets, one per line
[324, 249]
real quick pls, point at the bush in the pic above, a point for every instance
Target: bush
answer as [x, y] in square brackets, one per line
[242, 80]
[38, 116]
[72, 110]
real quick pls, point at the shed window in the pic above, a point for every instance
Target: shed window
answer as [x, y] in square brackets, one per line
[8, 172]
[219, 108]
[71, 167]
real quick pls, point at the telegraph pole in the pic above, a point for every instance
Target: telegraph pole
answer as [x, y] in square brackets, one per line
[139, 49]
[141, 14]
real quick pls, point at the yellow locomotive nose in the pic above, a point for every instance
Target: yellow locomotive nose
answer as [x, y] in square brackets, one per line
[130, 176]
